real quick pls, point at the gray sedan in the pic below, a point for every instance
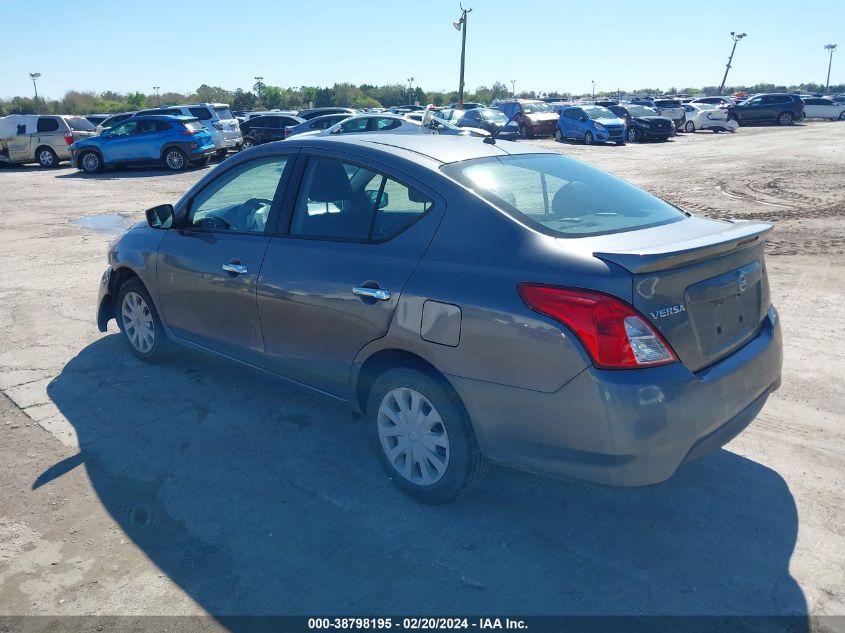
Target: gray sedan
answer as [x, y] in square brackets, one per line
[474, 301]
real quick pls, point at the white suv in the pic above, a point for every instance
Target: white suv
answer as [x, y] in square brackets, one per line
[216, 118]
[671, 109]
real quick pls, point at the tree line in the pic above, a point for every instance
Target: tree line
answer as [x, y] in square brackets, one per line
[267, 97]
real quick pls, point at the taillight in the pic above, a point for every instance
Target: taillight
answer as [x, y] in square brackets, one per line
[187, 132]
[217, 125]
[615, 334]
[69, 138]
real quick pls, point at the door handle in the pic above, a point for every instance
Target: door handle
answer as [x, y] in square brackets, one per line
[373, 293]
[238, 269]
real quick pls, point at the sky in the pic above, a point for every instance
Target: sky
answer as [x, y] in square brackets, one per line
[544, 45]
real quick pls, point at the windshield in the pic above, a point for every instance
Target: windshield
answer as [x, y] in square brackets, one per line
[496, 116]
[224, 113]
[636, 110]
[79, 124]
[599, 113]
[560, 196]
[667, 103]
[536, 106]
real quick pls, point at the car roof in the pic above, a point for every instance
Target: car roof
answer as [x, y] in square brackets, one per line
[165, 117]
[437, 148]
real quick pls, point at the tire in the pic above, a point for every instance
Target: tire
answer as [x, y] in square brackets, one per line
[46, 157]
[139, 322]
[558, 136]
[633, 135]
[451, 464]
[522, 131]
[842, 115]
[588, 138]
[689, 126]
[174, 159]
[221, 154]
[201, 162]
[247, 144]
[785, 118]
[620, 143]
[90, 162]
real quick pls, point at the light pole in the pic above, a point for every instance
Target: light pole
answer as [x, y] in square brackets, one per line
[736, 37]
[461, 25]
[34, 77]
[513, 88]
[594, 89]
[158, 98]
[410, 89]
[258, 86]
[831, 48]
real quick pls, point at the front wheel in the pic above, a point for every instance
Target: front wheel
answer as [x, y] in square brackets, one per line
[558, 136]
[842, 115]
[633, 135]
[523, 132]
[247, 144]
[425, 440]
[785, 118]
[139, 322]
[689, 126]
[588, 138]
[90, 162]
[175, 159]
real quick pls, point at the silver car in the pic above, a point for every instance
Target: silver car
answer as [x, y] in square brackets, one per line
[474, 301]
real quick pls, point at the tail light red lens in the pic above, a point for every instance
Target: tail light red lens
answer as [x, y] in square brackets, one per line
[68, 138]
[187, 132]
[615, 335]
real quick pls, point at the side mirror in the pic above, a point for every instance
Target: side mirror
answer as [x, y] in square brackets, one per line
[160, 217]
[372, 195]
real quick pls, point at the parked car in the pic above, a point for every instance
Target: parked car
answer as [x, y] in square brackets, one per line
[251, 115]
[643, 124]
[820, 108]
[311, 113]
[42, 139]
[424, 283]
[316, 124]
[671, 109]
[449, 114]
[840, 98]
[468, 105]
[706, 116]
[96, 119]
[267, 128]
[364, 123]
[532, 117]
[224, 128]
[490, 119]
[780, 108]
[430, 124]
[113, 120]
[173, 141]
[591, 124]
[717, 101]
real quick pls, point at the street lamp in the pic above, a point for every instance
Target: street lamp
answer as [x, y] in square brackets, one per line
[831, 48]
[258, 86]
[513, 88]
[594, 89]
[34, 77]
[736, 37]
[158, 98]
[461, 25]
[410, 89]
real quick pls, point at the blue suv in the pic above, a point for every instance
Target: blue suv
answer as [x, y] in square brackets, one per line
[591, 124]
[174, 141]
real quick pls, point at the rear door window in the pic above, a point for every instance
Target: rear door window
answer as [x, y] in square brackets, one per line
[224, 113]
[47, 124]
[382, 124]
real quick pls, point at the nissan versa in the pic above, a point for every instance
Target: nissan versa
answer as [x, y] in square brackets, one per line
[475, 301]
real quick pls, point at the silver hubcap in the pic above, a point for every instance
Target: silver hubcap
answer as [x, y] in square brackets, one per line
[785, 118]
[588, 138]
[175, 160]
[90, 162]
[138, 322]
[46, 158]
[690, 126]
[413, 436]
[632, 135]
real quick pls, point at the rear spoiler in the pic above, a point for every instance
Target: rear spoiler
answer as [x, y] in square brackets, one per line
[742, 234]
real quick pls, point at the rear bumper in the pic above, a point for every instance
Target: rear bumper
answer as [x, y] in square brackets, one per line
[626, 428]
[105, 302]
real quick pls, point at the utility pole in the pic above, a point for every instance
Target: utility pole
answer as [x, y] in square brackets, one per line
[594, 89]
[513, 88]
[736, 39]
[831, 48]
[410, 90]
[258, 86]
[158, 98]
[461, 25]
[34, 77]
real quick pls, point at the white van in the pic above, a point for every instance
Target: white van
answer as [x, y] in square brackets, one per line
[40, 138]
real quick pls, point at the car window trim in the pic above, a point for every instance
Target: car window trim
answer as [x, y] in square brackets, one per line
[273, 217]
[292, 195]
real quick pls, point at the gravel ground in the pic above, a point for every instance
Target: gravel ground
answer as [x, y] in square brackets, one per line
[200, 487]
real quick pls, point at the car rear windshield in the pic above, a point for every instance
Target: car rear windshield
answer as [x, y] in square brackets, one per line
[668, 103]
[638, 110]
[224, 113]
[80, 124]
[560, 196]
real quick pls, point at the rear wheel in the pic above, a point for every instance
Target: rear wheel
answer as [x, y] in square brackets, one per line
[425, 440]
[175, 159]
[689, 126]
[90, 162]
[785, 118]
[47, 157]
[588, 138]
[139, 322]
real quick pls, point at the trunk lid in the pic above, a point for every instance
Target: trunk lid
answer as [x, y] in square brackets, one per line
[703, 286]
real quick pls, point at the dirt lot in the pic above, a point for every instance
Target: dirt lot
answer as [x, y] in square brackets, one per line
[200, 487]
